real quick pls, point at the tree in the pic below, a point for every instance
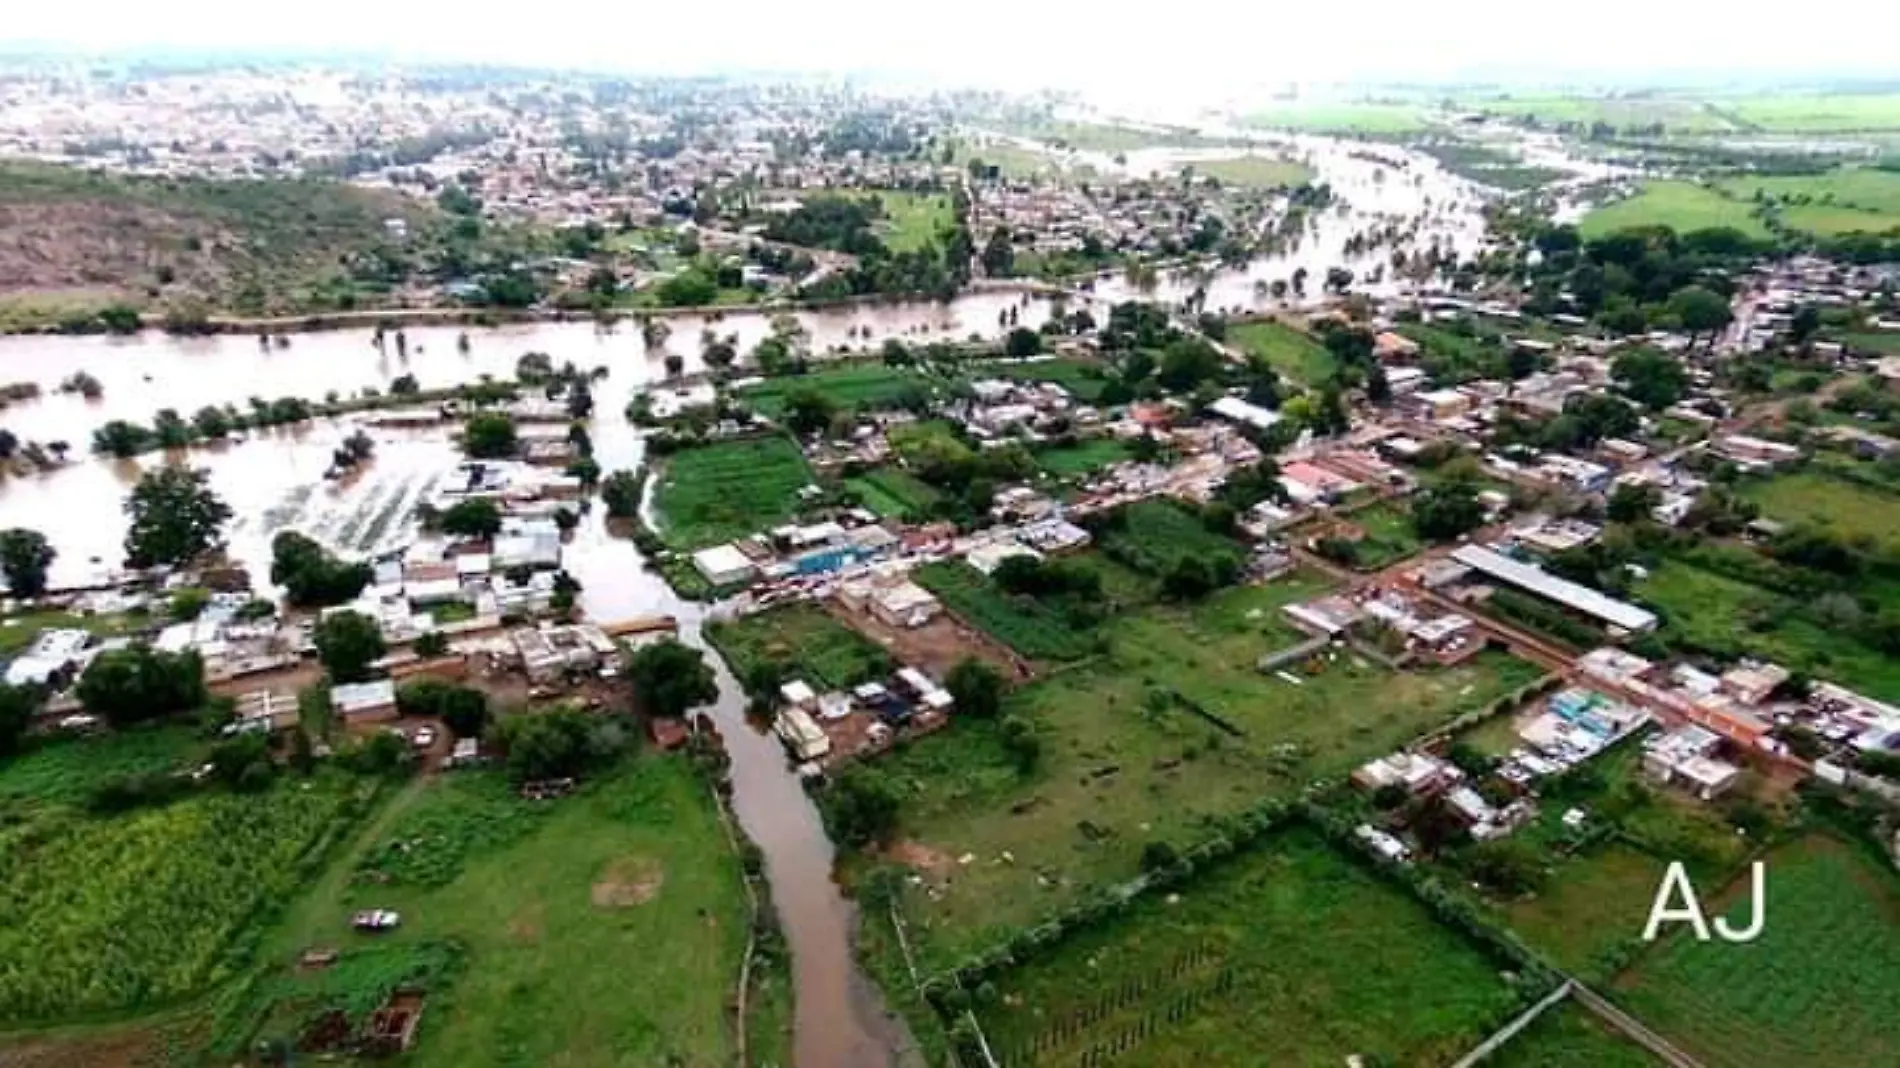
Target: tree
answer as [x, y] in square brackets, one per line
[1021, 342]
[311, 577]
[463, 710]
[621, 493]
[807, 411]
[1632, 502]
[1447, 511]
[669, 679]
[1700, 311]
[999, 255]
[138, 683]
[24, 557]
[347, 644]
[976, 688]
[175, 517]
[489, 436]
[1804, 325]
[863, 806]
[557, 744]
[17, 706]
[432, 644]
[243, 763]
[475, 517]
[1653, 379]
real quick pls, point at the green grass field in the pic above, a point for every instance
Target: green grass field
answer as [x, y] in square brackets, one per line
[1126, 756]
[1838, 202]
[1293, 354]
[894, 493]
[1352, 118]
[1025, 624]
[1819, 113]
[1567, 1036]
[1389, 535]
[1717, 613]
[1814, 497]
[1684, 206]
[1322, 960]
[1677, 115]
[1083, 457]
[714, 493]
[1809, 990]
[913, 220]
[18, 631]
[863, 386]
[1152, 535]
[605, 931]
[807, 641]
[1256, 172]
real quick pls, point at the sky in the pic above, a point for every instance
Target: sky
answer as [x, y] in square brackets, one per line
[1180, 51]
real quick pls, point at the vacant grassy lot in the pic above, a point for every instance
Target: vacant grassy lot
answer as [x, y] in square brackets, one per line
[714, 493]
[1256, 172]
[603, 930]
[1814, 497]
[806, 640]
[1810, 990]
[18, 631]
[1389, 535]
[864, 386]
[1684, 206]
[1128, 758]
[1025, 624]
[1289, 954]
[1719, 614]
[1567, 1036]
[1361, 118]
[1674, 114]
[130, 912]
[1083, 457]
[894, 493]
[1293, 354]
[913, 220]
[1819, 113]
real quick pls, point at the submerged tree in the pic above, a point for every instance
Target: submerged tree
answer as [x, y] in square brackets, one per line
[175, 517]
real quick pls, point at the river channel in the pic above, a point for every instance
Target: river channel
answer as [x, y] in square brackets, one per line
[274, 480]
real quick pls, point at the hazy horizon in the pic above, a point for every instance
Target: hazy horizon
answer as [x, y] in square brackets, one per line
[1231, 54]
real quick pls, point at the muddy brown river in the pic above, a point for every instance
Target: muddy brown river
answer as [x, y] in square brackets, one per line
[274, 480]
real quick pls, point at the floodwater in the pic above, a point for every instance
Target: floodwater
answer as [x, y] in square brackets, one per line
[274, 480]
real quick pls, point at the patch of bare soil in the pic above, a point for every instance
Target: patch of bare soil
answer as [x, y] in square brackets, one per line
[525, 925]
[937, 646]
[628, 882]
[930, 861]
[130, 1048]
[83, 243]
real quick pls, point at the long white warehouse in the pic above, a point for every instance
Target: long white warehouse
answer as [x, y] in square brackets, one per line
[1536, 580]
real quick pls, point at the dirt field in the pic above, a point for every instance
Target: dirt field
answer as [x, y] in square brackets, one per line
[937, 646]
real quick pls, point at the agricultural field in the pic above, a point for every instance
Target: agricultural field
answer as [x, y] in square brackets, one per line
[1256, 172]
[1349, 118]
[1674, 115]
[894, 493]
[730, 489]
[144, 908]
[1025, 624]
[1733, 618]
[540, 932]
[1134, 748]
[1455, 356]
[18, 631]
[1887, 344]
[1840, 201]
[1567, 1036]
[857, 386]
[1287, 954]
[807, 641]
[1488, 166]
[1809, 990]
[1083, 457]
[1818, 113]
[1684, 206]
[1085, 379]
[67, 772]
[1850, 508]
[1293, 354]
[1152, 535]
[1011, 160]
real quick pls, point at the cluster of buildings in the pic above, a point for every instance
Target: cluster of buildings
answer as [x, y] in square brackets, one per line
[825, 729]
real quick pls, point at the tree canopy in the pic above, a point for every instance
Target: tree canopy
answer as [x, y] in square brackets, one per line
[138, 683]
[489, 436]
[175, 517]
[310, 575]
[347, 644]
[24, 557]
[670, 679]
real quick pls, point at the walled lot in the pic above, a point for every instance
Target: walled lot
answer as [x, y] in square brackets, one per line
[1813, 989]
[1124, 764]
[602, 928]
[714, 493]
[1287, 954]
[857, 385]
[1567, 1036]
[894, 493]
[810, 643]
[1294, 354]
